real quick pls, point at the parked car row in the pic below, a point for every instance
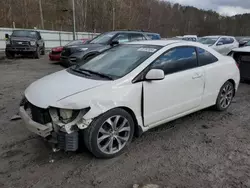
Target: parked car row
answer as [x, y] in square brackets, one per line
[108, 99]
[73, 54]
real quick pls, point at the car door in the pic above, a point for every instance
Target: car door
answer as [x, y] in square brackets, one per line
[180, 91]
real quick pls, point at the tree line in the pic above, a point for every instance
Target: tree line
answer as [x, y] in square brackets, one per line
[105, 15]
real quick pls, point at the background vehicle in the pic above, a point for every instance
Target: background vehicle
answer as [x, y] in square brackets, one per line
[154, 36]
[55, 53]
[112, 97]
[190, 38]
[24, 42]
[73, 54]
[222, 44]
[243, 41]
[242, 57]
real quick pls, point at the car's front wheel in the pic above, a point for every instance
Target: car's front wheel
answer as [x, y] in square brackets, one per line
[37, 53]
[43, 50]
[225, 96]
[109, 134]
[10, 55]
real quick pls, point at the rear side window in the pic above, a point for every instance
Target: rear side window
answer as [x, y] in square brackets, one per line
[223, 41]
[136, 37]
[205, 57]
[176, 60]
[154, 36]
[229, 40]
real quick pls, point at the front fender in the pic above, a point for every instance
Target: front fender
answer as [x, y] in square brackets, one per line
[128, 96]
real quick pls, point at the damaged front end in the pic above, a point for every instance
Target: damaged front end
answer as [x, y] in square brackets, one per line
[58, 126]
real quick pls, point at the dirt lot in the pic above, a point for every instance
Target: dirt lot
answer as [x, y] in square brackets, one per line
[205, 149]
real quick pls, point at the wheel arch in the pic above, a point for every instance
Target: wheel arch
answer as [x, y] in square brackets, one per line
[138, 129]
[234, 84]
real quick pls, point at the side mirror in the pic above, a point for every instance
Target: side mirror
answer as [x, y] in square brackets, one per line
[113, 43]
[219, 43]
[7, 36]
[155, 74]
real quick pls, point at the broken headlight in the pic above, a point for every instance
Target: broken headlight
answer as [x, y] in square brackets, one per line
[66, 115]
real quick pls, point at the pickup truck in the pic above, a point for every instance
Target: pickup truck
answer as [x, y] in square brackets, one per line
[24, 42]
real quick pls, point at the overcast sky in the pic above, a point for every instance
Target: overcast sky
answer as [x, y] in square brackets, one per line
[224, 7]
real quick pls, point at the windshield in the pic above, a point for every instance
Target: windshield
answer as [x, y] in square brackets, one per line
[103, 38]
[74, 42]
[30, 34]
[120, 60]
[208, 40]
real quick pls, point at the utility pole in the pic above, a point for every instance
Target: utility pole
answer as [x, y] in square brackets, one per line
[113, 14]
[41, 13]
[85, 14]
[74, 19]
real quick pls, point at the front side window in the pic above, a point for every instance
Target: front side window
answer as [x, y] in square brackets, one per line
[121, 38]
[120, 60]
[205, 57]
[176, 60]
[136, 37]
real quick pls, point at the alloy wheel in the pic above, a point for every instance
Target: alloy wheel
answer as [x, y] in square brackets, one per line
[114, 134]
[226, 96]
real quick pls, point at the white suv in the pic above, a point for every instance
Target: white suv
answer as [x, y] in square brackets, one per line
[222, 44]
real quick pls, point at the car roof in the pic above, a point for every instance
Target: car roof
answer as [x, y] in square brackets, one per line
[216, 36]
[156, 42]
[131, 31]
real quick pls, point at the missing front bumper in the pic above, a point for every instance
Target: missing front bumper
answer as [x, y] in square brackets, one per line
[62, 140]
[37, 128]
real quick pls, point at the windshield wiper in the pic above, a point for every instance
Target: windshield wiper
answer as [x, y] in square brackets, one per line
[80, 71]
[97, 73]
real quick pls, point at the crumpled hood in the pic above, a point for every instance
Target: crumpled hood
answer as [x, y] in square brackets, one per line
[243, 49]
[48, 90]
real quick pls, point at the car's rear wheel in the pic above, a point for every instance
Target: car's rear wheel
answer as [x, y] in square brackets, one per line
[109, 134]
[225, 96]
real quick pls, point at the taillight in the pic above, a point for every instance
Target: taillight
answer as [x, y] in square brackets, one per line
[238, 64]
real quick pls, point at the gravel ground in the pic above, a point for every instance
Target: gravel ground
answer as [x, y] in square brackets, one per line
[205, 149]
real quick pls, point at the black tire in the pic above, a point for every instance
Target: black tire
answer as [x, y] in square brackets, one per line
[37, 53]
[43, 50]
[219, 106]
[10, 55]
[91, 133]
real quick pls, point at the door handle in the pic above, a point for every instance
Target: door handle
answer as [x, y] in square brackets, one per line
[197, 75]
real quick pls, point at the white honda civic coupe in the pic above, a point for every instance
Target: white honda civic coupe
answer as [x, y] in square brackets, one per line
[126, 91]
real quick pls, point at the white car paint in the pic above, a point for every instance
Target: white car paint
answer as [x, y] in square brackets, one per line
[242, 49]
[178, 94]
[224, 49]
